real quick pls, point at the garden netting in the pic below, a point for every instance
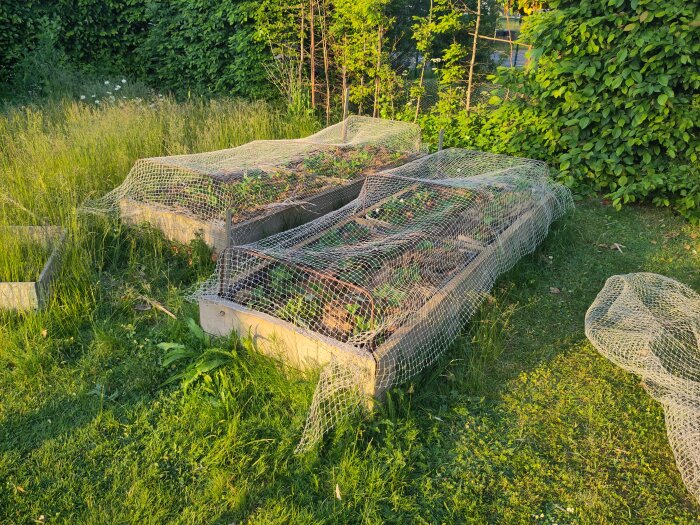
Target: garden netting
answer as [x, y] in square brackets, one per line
[263, 174]
[390, 278]
[649, 325]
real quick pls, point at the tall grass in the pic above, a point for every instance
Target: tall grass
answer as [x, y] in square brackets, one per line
[54, 157]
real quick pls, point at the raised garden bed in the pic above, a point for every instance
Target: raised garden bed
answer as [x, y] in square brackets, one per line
[182, 227]
[264, 187]
[377, 283]
[29, 261]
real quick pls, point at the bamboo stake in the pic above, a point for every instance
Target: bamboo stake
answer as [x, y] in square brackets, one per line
[312, 54]
[471, 63]
[484, 37]
[345, 107]
[510, 37]
[324, 43]
[375, 110]
[422, 69]
[301, 44]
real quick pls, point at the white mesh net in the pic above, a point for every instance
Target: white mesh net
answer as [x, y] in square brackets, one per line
[384, 284]
[649, 325]
[261, 175]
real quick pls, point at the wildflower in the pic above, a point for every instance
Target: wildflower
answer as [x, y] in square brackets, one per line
[97, 102]
[123, 81]
[82, 97]
[106, 82]
[109, 92]
[93, 96]
[117, 87]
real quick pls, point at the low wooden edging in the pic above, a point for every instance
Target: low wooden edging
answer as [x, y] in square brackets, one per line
[301, 349]
[440, 317]
[184, 228]
[33, 295]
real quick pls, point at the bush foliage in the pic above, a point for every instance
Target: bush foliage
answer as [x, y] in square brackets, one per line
[198, 46]
[611, 97]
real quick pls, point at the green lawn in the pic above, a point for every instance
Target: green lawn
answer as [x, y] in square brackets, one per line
[522, 421]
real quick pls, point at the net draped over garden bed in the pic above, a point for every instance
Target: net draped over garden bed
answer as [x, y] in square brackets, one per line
[394, 274]
[264, 174]
[649, 325]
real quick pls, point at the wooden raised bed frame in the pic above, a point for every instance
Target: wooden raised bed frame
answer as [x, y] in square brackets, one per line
[183, 228]
[33, 295]
[304, 349]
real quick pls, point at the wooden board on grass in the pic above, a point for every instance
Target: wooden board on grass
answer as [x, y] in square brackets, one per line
[33, 295]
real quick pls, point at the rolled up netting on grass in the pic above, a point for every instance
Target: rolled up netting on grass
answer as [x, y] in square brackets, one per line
[379, 289]
[649, 325]
[258, 177]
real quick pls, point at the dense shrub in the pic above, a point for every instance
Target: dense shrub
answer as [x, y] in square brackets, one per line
[17, 32]
[102, 33]
[204, 46]
[197, 46]
[612, 98]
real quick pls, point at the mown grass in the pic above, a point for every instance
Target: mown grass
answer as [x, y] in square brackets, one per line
[521, 422]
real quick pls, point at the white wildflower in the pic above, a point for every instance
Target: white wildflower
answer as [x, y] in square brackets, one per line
[97, 102]
[123, 81]
[106, 82]
[109, 92]
[117, 87]
[82, 97]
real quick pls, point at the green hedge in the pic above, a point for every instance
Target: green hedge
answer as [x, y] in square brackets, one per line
[204, 46]
[198, 46]
[612, 98]
[18, 22]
